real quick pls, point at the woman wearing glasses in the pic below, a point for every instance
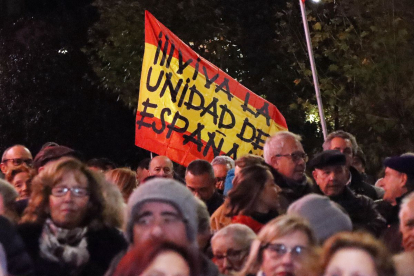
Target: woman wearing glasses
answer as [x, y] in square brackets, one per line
[285, 246]
[253, 200]
[63, 226]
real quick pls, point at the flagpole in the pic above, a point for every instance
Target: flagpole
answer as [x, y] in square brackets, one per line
[313, 67]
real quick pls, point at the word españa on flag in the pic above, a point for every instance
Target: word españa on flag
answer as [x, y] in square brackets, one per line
[257, 137]
[181, 81]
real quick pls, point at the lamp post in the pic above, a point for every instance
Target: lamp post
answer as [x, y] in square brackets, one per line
[313, 67]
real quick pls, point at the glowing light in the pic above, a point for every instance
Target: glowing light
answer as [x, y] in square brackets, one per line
[63, 51]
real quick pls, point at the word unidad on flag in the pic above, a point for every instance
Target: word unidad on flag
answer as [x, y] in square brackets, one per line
[189, 109]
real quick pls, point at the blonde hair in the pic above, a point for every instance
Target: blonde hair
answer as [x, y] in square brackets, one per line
[114, 206]
[124, 178]
[276, 228]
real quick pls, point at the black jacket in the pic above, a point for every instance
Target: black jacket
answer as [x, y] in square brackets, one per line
[360, 209]
[360, 187]
[18, 260]
[391, 236]
[214, 202]
[103, 245]
[291, 190]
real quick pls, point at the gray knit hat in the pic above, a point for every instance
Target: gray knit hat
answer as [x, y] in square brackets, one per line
[325, 216]
[168, 191]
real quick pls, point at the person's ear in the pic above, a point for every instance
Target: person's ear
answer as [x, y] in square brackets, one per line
[315, 176]
[274, 162]
[403, 180]
[3, 168]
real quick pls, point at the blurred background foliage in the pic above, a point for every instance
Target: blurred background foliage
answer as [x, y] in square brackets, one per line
[70, 69]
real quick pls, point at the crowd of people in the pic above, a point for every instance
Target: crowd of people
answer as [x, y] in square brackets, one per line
[276, 215]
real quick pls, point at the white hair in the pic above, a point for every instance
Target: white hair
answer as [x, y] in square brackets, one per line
[240, 233]
[276, 142]
[223, 160]
[404, 205]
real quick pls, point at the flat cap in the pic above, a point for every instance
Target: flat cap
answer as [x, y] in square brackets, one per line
[327, 158]
[51, 153]
[403, 164]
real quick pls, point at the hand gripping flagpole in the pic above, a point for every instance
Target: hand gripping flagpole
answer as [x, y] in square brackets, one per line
[313, 67]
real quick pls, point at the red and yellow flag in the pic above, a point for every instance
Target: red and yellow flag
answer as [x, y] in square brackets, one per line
[189, 109]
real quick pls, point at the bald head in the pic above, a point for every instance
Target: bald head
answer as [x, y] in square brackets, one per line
[15, 156]
[161, 166]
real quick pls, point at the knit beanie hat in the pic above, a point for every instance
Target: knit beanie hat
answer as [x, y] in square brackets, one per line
[167, 191]
[325, 216]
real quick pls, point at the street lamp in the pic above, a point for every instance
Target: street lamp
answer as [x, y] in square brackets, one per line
[313, 67]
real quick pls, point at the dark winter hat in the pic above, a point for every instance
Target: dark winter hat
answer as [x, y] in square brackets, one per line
[325, 216]
[168, 191]
[51, 153]
[327, 158]
[403, 164]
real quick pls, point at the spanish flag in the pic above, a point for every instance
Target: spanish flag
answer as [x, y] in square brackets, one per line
[189, 109]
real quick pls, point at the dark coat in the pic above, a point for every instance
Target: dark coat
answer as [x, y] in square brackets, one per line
[291, 190]
[18, 260]
[103, 245]
[214, 202]
[391, 236]
[360, 187]
[360, 209]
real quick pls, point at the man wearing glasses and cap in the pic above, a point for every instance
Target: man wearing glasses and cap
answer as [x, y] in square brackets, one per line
[15, 156]
[284, 153]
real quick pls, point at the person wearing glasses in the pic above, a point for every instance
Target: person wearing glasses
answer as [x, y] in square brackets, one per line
[163, 210]
[330, 173]
[231, 246]
[221, 165]
[63, 227]
[285, 246]
[346, 143]
[15, 156]
[284, 153]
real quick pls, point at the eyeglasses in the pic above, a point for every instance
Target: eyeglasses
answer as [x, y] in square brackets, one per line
[281, 249]
[296, 156]
[231, 255]
[76, 191]
[220, 179]
[19, 161]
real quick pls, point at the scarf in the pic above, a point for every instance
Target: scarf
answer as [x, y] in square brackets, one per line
[66, 246]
